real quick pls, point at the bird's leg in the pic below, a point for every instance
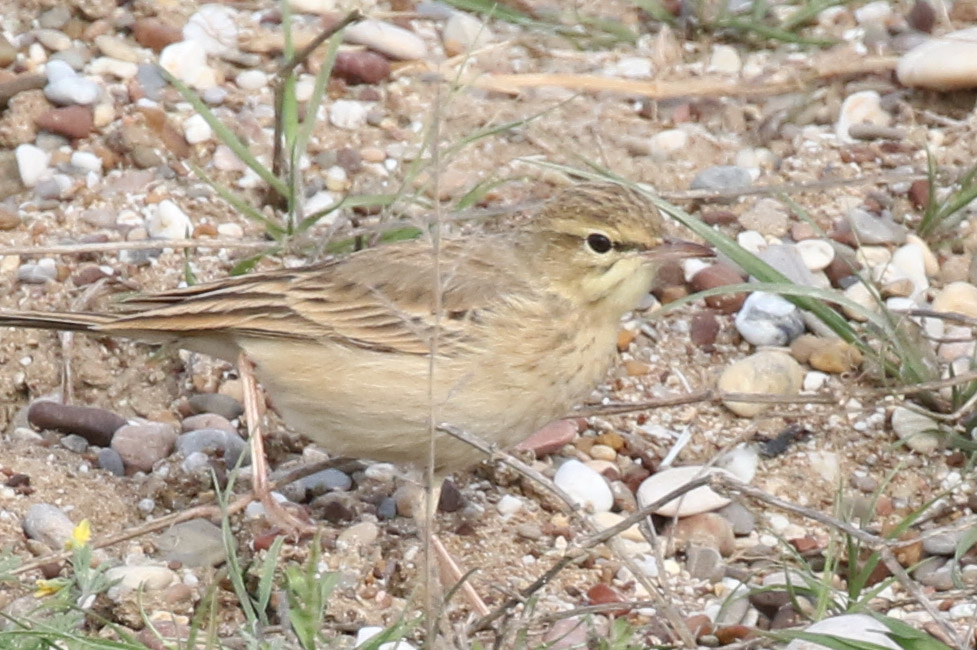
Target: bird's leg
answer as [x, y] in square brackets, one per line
[274, 512]
[450, 573]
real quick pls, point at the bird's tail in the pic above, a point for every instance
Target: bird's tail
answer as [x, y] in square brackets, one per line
[54, 320]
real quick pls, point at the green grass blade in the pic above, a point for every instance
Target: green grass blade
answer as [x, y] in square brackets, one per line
[240, 204]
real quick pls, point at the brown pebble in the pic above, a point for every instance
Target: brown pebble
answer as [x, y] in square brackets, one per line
[912, 553]
[919, 193]
[155, 33]
[704, 328]
[361, 67]
[720, 275]
[8, 219]
[93, 424]
[451, 499]
[70, 121]
[719, 217]
[611, 439]
[624, 338]
[637, 368]
[802, 231]
[922, 17]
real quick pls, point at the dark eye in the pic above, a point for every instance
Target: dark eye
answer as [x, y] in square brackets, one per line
[599, 243]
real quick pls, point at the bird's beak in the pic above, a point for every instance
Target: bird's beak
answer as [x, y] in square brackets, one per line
[677, 249]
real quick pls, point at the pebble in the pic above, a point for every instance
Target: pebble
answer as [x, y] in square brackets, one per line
[110, 460]
[143, 577]
[93, 424]
[704, 563]
[70, 121]
[361, 67]
[864, 296]
[66, 87]
[741, 461]
[48, 524]
[223, 405]
[348, 114]
[213, 28]
[31, 273]
[585, 487]
[142, 445]
[945, 63]
[870, 229]
[765, 373]
[386, 38]
[856, 627]
[567, 634]
[817, 254]
[251, 80]
[607, 520]
[509, 505]
[196, 129]
[194, 543]
[944, 543]
[53, 39]
[768, 217]
[722, 177]
[169, 221]
[207, 421]
[208, 441]
[740, 518]
[752, 241]
[464, 33]
[706, 529]
[550, 438]
[362, 534]
[766, 319]
[32, 164]
[155, 34]
[86, 161]
[328, 480]
[701, 499]
[724, 59]
[864, 107]
[715, 276]
[108, 67]
[919, 432]
[704, 328]
[958, 298]
[187, 61]
[75, 443]
[908, 261]
[666, 144]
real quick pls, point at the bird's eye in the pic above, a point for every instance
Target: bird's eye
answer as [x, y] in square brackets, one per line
[599, 243]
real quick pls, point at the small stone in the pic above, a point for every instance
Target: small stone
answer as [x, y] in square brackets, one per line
[509, 505]
[704, 563]
[722, 178]
[143, 445]
[75, 443]
[207, 421]
[764, 373]
[70, 121]
[567, 634]
[386, 38]
[227, 444]
[196, 129]
[251, 80]
[865, 297]
[856, 627]
[53, 39]
[766, 319]
[464, 33]
[920, 433]
[870, 229]
[213, 28]
[65, 87]
[360, 535]
[586, 487]
[957, 298]
[8, 219]
[32, 164]
[30, 273]
[706, 529]
[110, 460]
[817, 254]
[704, 328]
[348, 114]
[835, 356]
[328, 480]
[944, 543]
[550, 438]
[701, 499]
[187, 61]
[945, 63]
[93, 424]
[140, 577]
[169, 221]
[48, 524]
[724, 60]
[155, 34]
[664, 145]
[194, 543]
[864, 107]
[715, 276]
[740, 518]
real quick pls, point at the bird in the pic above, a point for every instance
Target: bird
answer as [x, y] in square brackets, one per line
[496, 334]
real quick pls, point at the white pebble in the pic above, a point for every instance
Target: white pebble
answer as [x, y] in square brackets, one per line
[668, 143]
[65, 87]
[814, 381]
[864, 107]
[817, 254]
[509, 505]
[32, 163]
[386, 38]
[701, 499]
[104, 65]
[230, 230]
[336, 179]
[586, 487]
[86, 161]
[187, 61]
[169, 221]
[251, 80]
[196, 129]
[213, 28]
[348, 114]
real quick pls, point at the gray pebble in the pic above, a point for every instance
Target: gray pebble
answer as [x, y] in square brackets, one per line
[529, 530]
[30, 273]
[110, 460]
[787, 259]
[722, 177]
[704, 563]
[143, 445]
[208, 441]
[871, 229]
[387, 509]
[48, 524]
[740, 517]
[75, 443]
[151, 81]
[328, 480]
[944, 543]
[194, 543]
[54, 18]
[768, 319]
[223, 405]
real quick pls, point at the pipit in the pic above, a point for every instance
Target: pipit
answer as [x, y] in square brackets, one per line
[496, 334]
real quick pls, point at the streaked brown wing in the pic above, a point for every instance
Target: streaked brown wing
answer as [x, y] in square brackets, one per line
[378, 299]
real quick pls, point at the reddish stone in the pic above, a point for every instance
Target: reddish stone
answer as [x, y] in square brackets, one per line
[601, 594]
[730, 633]
[70, 121]
[720, 275]
[361, 67]
[919, 193]
[550, 438]
[704, 328]
[155, 33]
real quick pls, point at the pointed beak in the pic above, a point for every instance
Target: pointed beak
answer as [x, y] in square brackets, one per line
[677, 249]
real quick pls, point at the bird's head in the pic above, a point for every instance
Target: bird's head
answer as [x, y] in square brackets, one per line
[602, 245]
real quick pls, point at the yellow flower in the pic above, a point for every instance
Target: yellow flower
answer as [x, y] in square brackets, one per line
[49, 587]
[80, 536]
